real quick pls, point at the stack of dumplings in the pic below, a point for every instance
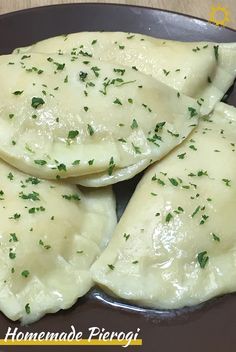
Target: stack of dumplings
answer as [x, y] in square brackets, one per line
[81, 112]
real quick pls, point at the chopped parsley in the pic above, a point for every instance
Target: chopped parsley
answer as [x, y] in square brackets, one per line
[90, 130]
[204, 219]
[82, 76]
[11, 254]
[25, 57]
[110, 266]
[159, 126]
[136, 149]
[35, 210]
[45, 246]
[134, 124]
[117, 101]
[25, 273]
[196, 211]
[119, 70]
[13, 237]
[202, 258]
[173, 181]
[192, 147]
[76, 162]
[33, 180]
[71, 197]
[202, 173]
[193, 112]
[36, 102]
[40, 162]
[227, 182]
[72, 134]
[15, 216]
[122, 140]
[61, 167]
[111, 166]
[181, 156]
[153, 194]
[162, 183]
[31, 196]
[27, 308]
[166, 72]
[10, 176]
[173, 134]
[95, 70]
[215, 237]
[18, 92]
[84, 53]
[60, 67]
[216, 52]
[126, 236]
[169, 216]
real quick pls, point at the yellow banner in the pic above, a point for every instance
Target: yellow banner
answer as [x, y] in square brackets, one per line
[82, 342]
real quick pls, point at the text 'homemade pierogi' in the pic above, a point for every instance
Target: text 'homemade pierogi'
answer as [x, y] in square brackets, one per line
[199, 69]
[63, 118]
[50, 235]
[175, 245]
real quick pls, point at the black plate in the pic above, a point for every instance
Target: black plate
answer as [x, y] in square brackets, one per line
[210, 327]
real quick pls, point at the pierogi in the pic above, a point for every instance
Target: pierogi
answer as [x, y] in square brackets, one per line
[51, 233]
[63, 118]
[175, 244]
[202, 70]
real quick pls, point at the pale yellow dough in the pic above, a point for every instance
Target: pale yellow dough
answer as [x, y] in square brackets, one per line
[64, 118]
[198, 69]
[50, 235]
[175, 244]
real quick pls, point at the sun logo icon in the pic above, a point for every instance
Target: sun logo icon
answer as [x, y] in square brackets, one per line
[219, 15]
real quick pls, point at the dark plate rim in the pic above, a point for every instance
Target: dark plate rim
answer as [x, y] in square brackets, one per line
[44, 7]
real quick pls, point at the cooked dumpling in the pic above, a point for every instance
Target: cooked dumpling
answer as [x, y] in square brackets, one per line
[63, 118]
[175, 245]
[51, 233]
[199, 69]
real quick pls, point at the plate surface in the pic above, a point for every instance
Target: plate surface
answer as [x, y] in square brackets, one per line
[206, 328]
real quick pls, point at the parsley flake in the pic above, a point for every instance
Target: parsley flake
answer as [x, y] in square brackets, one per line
[202, 258]
[36, 102]
[73, 134]
[134, 124]
[18, 92]
[27, 308]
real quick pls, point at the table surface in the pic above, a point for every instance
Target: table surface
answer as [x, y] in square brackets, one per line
[196, 8]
